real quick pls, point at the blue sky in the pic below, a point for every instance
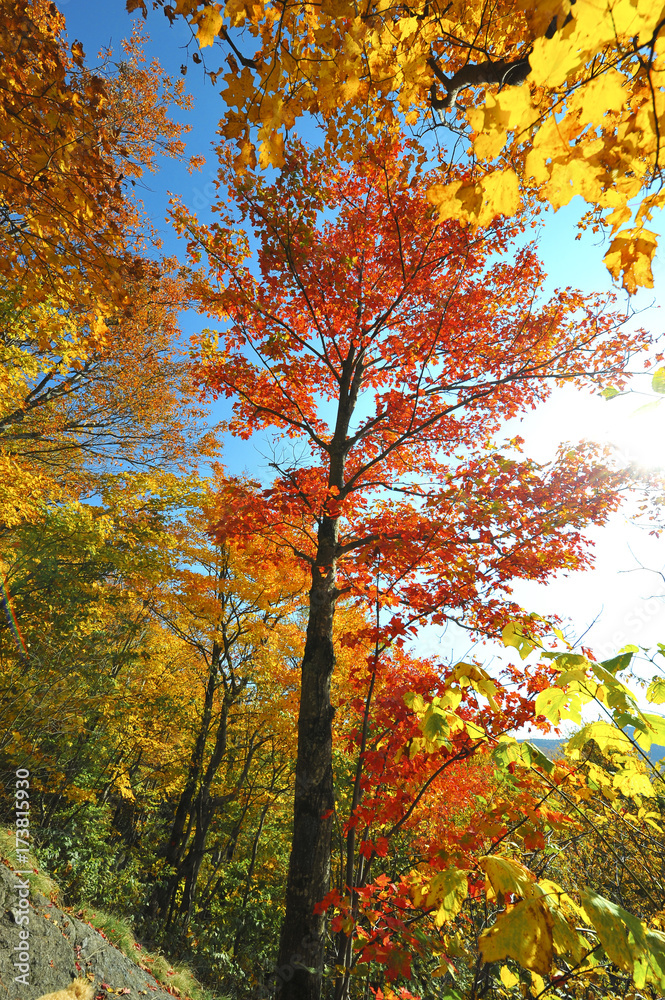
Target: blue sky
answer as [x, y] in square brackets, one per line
[621, 598]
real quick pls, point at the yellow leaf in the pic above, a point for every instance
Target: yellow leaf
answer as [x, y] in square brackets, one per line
[553, 59]
[501, 196]
[550, 703]
[350, 87]
[630, 256]
[271, 151]
[537, 984]
[539, 15]
[208, 25]
[516, 107]
[445, 198]
[605, 735]
[522, 932]
[605, 93]
[565, 915]
[503, 877]
[630, 783]
[513, 635]
[507, 977]
[575, 176]
[656, 690]
[488, 145]
[449, 889]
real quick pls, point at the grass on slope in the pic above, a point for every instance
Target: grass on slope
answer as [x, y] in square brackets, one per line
[178, 978]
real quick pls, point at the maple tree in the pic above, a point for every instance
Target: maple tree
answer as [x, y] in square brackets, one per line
[459, 870]
[70, 138]
[390, 346]
[395, 319]
[558, 98]
[424, 792]
[72, 414]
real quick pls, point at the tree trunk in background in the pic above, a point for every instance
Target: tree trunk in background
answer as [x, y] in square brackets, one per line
[162, 896]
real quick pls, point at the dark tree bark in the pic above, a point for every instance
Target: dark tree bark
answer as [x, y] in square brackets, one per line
[205, 807]
[302, 940]
[162, 895]
[302, 943]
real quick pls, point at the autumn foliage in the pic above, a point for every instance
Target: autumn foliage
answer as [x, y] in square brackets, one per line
[70, 235]
[217, 682]
[386, 348]
[555, 99]
[394, 346]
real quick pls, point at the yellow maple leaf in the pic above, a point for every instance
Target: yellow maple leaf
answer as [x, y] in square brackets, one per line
[630, 256]
[489, 144]
[606, 93]
[500, 196]
[553, 59]
[522, 932]
[209, 24]
[575, 176]
[271, 151]
[539, 15]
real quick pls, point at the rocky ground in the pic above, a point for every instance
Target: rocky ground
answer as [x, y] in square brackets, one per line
[60, 949]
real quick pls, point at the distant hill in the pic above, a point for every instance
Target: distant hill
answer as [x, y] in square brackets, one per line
[554, 749]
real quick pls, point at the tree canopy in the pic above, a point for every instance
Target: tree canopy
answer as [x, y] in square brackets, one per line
[386, 347]
[216, 683]
[549, 100]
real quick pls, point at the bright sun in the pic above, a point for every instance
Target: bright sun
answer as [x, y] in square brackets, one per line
[633, 424]
[639, 433]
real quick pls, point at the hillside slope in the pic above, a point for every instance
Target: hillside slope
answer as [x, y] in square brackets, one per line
[60, 949]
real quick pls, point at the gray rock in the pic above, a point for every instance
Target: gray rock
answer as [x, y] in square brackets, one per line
[60, 948]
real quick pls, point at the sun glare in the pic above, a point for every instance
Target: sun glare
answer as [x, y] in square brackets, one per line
[633, 425]
[639, 434]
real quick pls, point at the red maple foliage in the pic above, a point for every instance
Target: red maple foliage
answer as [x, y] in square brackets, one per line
[387, 350]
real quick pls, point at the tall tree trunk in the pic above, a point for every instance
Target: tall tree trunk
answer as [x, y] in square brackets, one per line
[302, 941]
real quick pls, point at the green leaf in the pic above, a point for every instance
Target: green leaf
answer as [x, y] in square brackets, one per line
[617, 663]
[435, 725]
[656, 691]
[507, 753]
[513, 635]
[611, 392]
[626, 940]
[522, 932]
[658, 381]
[569, 661]
[612, 925]
[649, 729]
[415, 702]
[535, 757]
